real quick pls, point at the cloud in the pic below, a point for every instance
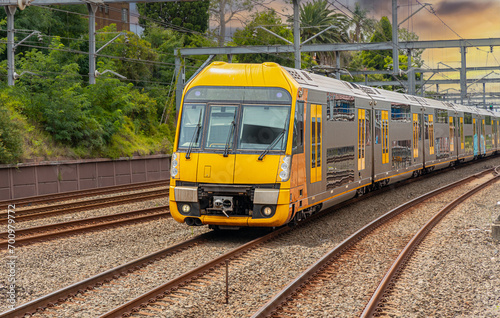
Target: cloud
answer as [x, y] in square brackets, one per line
[375, 7]
[464, 7]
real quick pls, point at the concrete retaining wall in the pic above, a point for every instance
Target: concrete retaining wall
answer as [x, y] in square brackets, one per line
[26, 180]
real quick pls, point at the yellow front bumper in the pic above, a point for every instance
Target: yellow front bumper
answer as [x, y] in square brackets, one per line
[281, 216]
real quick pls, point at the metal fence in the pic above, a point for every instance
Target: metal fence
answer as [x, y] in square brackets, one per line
[31, 179]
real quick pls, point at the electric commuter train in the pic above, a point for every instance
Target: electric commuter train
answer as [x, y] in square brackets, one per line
[261, 145]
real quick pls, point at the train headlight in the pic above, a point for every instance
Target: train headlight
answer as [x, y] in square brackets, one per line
[267, 211]
[186, 208]
[174, 171]
[285, 165]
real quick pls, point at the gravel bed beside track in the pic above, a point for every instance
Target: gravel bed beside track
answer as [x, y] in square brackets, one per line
[251, 284]
[457, 271]
[93, 213]
[135, 284]
[46, 267]
[94, 197]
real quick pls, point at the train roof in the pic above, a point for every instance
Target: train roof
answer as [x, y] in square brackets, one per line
[265, 74]
[324, 83]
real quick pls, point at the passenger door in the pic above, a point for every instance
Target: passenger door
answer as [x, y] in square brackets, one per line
[364, 139]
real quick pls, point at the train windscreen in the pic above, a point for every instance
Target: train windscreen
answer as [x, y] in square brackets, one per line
[263, 125]
[256, 118]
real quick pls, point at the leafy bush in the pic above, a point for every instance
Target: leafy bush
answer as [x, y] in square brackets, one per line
[11, 139]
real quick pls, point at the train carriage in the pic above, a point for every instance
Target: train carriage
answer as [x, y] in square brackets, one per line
[265, 145]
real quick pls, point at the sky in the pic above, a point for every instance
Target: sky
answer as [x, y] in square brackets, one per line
[468, 18]
[440, 20]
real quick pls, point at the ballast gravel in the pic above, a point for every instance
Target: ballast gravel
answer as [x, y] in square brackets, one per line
[457, 271]
[46, 267]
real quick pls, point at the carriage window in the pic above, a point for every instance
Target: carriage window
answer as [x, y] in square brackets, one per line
[467, 119]
[441, 116]
[400, 113]
[298, 128]
[378, 126]
[341, 164]
[442, 148]
[469, 144]
[487, 120]
[401, 154]
[368, 123]
[426, 123]
[342, 108]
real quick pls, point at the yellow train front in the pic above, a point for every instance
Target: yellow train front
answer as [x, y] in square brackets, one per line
[231, 163]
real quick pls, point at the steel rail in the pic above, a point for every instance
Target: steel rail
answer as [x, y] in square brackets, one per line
[46, 211]
[157, 293]
[82, 225]
[47, 198]
[59, 296]
[375, 304]
[283, 296]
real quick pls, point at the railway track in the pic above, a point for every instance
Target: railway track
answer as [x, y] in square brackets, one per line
[66, 208]
[125, 274]
[174, 288]
[376, 304]
[44, 199]
[324, 276]
[158, 299]
[46, 232]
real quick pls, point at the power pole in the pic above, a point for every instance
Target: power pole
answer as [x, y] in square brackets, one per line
[463, 74]
[296, 33]
[11, 10]
[395, 50]
[92, 8]
[411, 76]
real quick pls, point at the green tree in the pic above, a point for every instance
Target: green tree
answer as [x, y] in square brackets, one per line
[130, 54]
[11, 140]
[49, 22]
[315, 17]
[251, 35]
[224, 11]
[377, 59]
[187, 15]
[361, 27]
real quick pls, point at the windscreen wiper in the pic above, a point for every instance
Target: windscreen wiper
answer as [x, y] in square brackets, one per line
[196, 134]
[231, 131]
[271, 145]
